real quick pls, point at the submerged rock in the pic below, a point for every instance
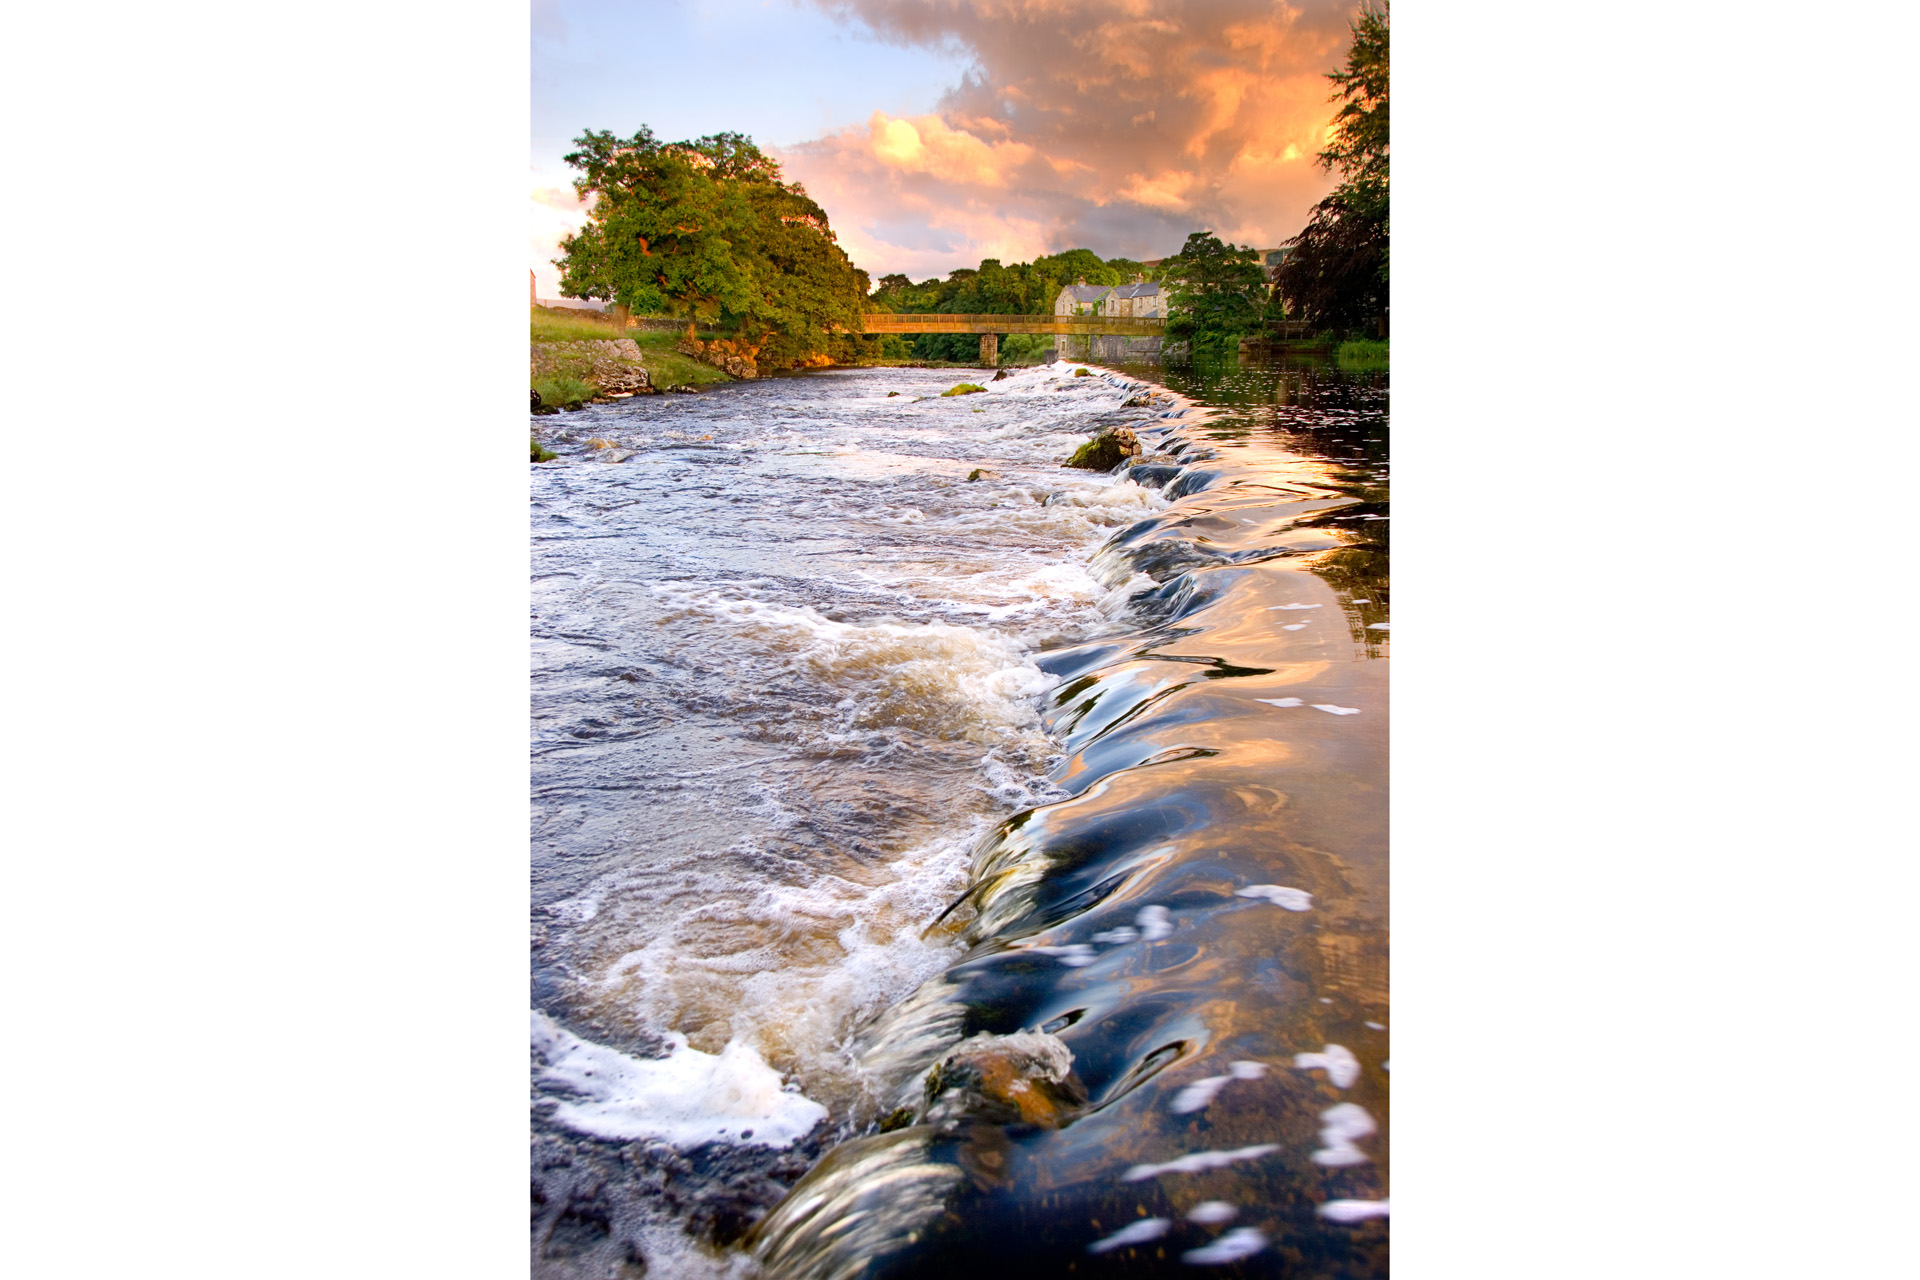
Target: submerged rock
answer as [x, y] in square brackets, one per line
[1024, 1078]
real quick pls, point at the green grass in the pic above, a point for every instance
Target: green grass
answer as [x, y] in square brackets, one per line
[539, 454]
[1361, 354]
[559, 390]
[963, 389]
[1083, 373]
[665, 366]
[562, 324]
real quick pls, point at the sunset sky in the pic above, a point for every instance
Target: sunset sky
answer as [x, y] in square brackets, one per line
[940, 132]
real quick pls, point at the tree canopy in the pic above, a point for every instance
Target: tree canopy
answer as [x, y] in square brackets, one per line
[1336, 276]
[1216, 292]
[707, 229]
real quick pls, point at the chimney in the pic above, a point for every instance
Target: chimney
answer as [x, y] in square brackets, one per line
[1081, 281]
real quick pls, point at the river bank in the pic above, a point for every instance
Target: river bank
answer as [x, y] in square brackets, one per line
[927, 619]
[582, 357]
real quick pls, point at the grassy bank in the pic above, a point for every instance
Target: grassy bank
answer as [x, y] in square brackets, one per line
[1361, 354]
[665, 367]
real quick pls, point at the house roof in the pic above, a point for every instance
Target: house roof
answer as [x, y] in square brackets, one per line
[1148, 289]
[1089, 292]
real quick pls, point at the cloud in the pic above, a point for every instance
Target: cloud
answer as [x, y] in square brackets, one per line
[1120, 125]
[553, 213]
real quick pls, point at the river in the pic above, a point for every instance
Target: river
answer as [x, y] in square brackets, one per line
[871, 748]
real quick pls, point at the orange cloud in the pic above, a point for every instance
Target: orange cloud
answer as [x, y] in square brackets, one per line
[929, 145]
[1120, 125]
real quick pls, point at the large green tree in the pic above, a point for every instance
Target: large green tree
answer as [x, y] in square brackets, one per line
[1336, 276]
[708, 230]
[1215, 293]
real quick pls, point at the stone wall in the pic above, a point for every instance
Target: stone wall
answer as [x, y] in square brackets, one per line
[731, 357]
[612, 364]
[1107, 347]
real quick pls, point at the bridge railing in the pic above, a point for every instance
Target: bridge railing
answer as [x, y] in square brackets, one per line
[1089, 326]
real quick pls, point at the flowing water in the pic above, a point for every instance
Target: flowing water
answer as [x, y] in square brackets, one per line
[999, 846]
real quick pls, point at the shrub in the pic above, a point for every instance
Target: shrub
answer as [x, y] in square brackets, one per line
[1018, 348]
[963, 389]
[1083, 373]
[562, 390]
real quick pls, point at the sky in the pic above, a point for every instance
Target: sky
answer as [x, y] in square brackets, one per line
[936, 133]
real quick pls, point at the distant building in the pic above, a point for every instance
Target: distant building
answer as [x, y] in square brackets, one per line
[1140, 299]
[1081, 299]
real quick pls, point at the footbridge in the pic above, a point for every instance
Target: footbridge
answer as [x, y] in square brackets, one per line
[990, 327]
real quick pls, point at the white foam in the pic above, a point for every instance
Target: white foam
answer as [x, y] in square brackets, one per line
[1272, 607]
[686, 1098]
[1212, 1212]
[1199, 1162]
[1295, 626]
[1073, 955]
[1125, 933]
[1379, 626]
[1377, 1026]
[1333, 710]
[1279, 702]
[1247, 1070]
[1340, 1125]
[1155, 923]
[1353, 1210]
[1341, 1066]
[1241, 1242]
[1279, 895]
[1198, 1095]
[1133, 1233]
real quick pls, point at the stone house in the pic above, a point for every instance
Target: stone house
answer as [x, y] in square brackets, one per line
[1142, 300]
[1081, 299]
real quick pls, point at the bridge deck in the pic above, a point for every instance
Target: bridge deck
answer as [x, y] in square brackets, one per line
[1087, 326]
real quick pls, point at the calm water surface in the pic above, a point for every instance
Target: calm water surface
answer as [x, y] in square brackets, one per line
[997, 850]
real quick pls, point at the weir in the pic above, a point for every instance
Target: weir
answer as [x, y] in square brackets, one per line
[1026, 821]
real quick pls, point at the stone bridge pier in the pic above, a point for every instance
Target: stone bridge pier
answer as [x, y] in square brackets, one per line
[990, 350]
